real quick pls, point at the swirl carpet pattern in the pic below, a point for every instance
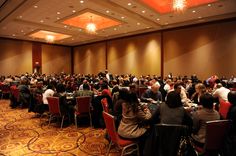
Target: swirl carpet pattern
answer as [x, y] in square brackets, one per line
[23, 134]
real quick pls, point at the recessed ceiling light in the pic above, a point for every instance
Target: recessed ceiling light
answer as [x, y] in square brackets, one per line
[143, 11]
[22, 31]
[35, 6]
[20, 16]
[65, 26]
[129, 4]
[138, 23]
[81, 1]
[13, 34]
[41, 21]
[107, 11]
[209, 5]
[193, 11]
[73, 11]
[122, 17]
[72, 39]
[58, 18]
[58, 13]
[147, 27]
[166, 23]
[158, 19]
[80, 29]
[115, 29]
[199, 17]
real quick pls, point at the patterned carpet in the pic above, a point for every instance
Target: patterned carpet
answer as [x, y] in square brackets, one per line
[22, 134]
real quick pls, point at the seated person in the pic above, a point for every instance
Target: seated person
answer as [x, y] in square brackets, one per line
[132, 124]
[64, 107]
[85, 91]
[152, 95]
[24, 93]
[230, 141]
[199, 90]
[173, 112]
[200, 117]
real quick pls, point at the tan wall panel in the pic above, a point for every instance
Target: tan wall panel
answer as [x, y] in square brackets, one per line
[16, 57]
[203, 50]
[56, 59]
[90, 59]
[139, 55]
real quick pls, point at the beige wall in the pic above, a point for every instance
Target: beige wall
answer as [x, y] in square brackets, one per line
[90, 59]
[15, 57]
[56, 59]
[203, 50]
[140, 55]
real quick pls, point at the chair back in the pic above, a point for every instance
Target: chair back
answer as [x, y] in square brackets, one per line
[224, 108]
[215, 134]
[164, 139]
[54, 105]
[105, 105]
[110, 126]
[83, 104]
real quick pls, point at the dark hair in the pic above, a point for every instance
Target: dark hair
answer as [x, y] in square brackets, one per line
[173, 99]
[232, 97]
[60, 88]
[86, 86]
[177, 85]
[207, 100]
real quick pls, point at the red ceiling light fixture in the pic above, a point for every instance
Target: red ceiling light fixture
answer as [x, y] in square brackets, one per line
[91, 27]
[179, 5]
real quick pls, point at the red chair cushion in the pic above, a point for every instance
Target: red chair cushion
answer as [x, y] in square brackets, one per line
[124, 142]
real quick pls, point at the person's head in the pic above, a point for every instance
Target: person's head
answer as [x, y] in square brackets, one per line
[200, 88]
[60, 88]
[207, 100]
[50, 86]
[155, 87]
[86, 86]
[232, 97]
[133, 88]
[219, 85]
[173, 99]
[177, 88]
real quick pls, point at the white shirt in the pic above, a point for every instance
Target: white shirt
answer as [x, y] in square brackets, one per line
[47, 93]
[221, 93]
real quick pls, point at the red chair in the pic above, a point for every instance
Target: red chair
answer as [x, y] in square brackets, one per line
[105, 105]
[54, 109]
[121, 143]
[83, 108]
[215, 134]
[224, 108]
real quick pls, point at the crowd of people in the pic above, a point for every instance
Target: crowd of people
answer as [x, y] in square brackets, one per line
[167, 101]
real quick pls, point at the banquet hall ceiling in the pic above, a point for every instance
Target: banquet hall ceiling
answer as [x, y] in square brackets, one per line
[67, 19]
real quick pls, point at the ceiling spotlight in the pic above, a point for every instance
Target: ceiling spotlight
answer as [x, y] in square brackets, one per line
[41, 21]
[73, 11]
[35, 6]
[107, 11]
[81, 1]
[122, 17]
[58, 13]
[20, 16]
[129, 4]
[209, 5]
[193, 11]
[143, 11]
[138, 23]
[58, 18]
[158, 19]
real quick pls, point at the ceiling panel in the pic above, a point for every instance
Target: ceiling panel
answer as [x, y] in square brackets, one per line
[19, 19]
